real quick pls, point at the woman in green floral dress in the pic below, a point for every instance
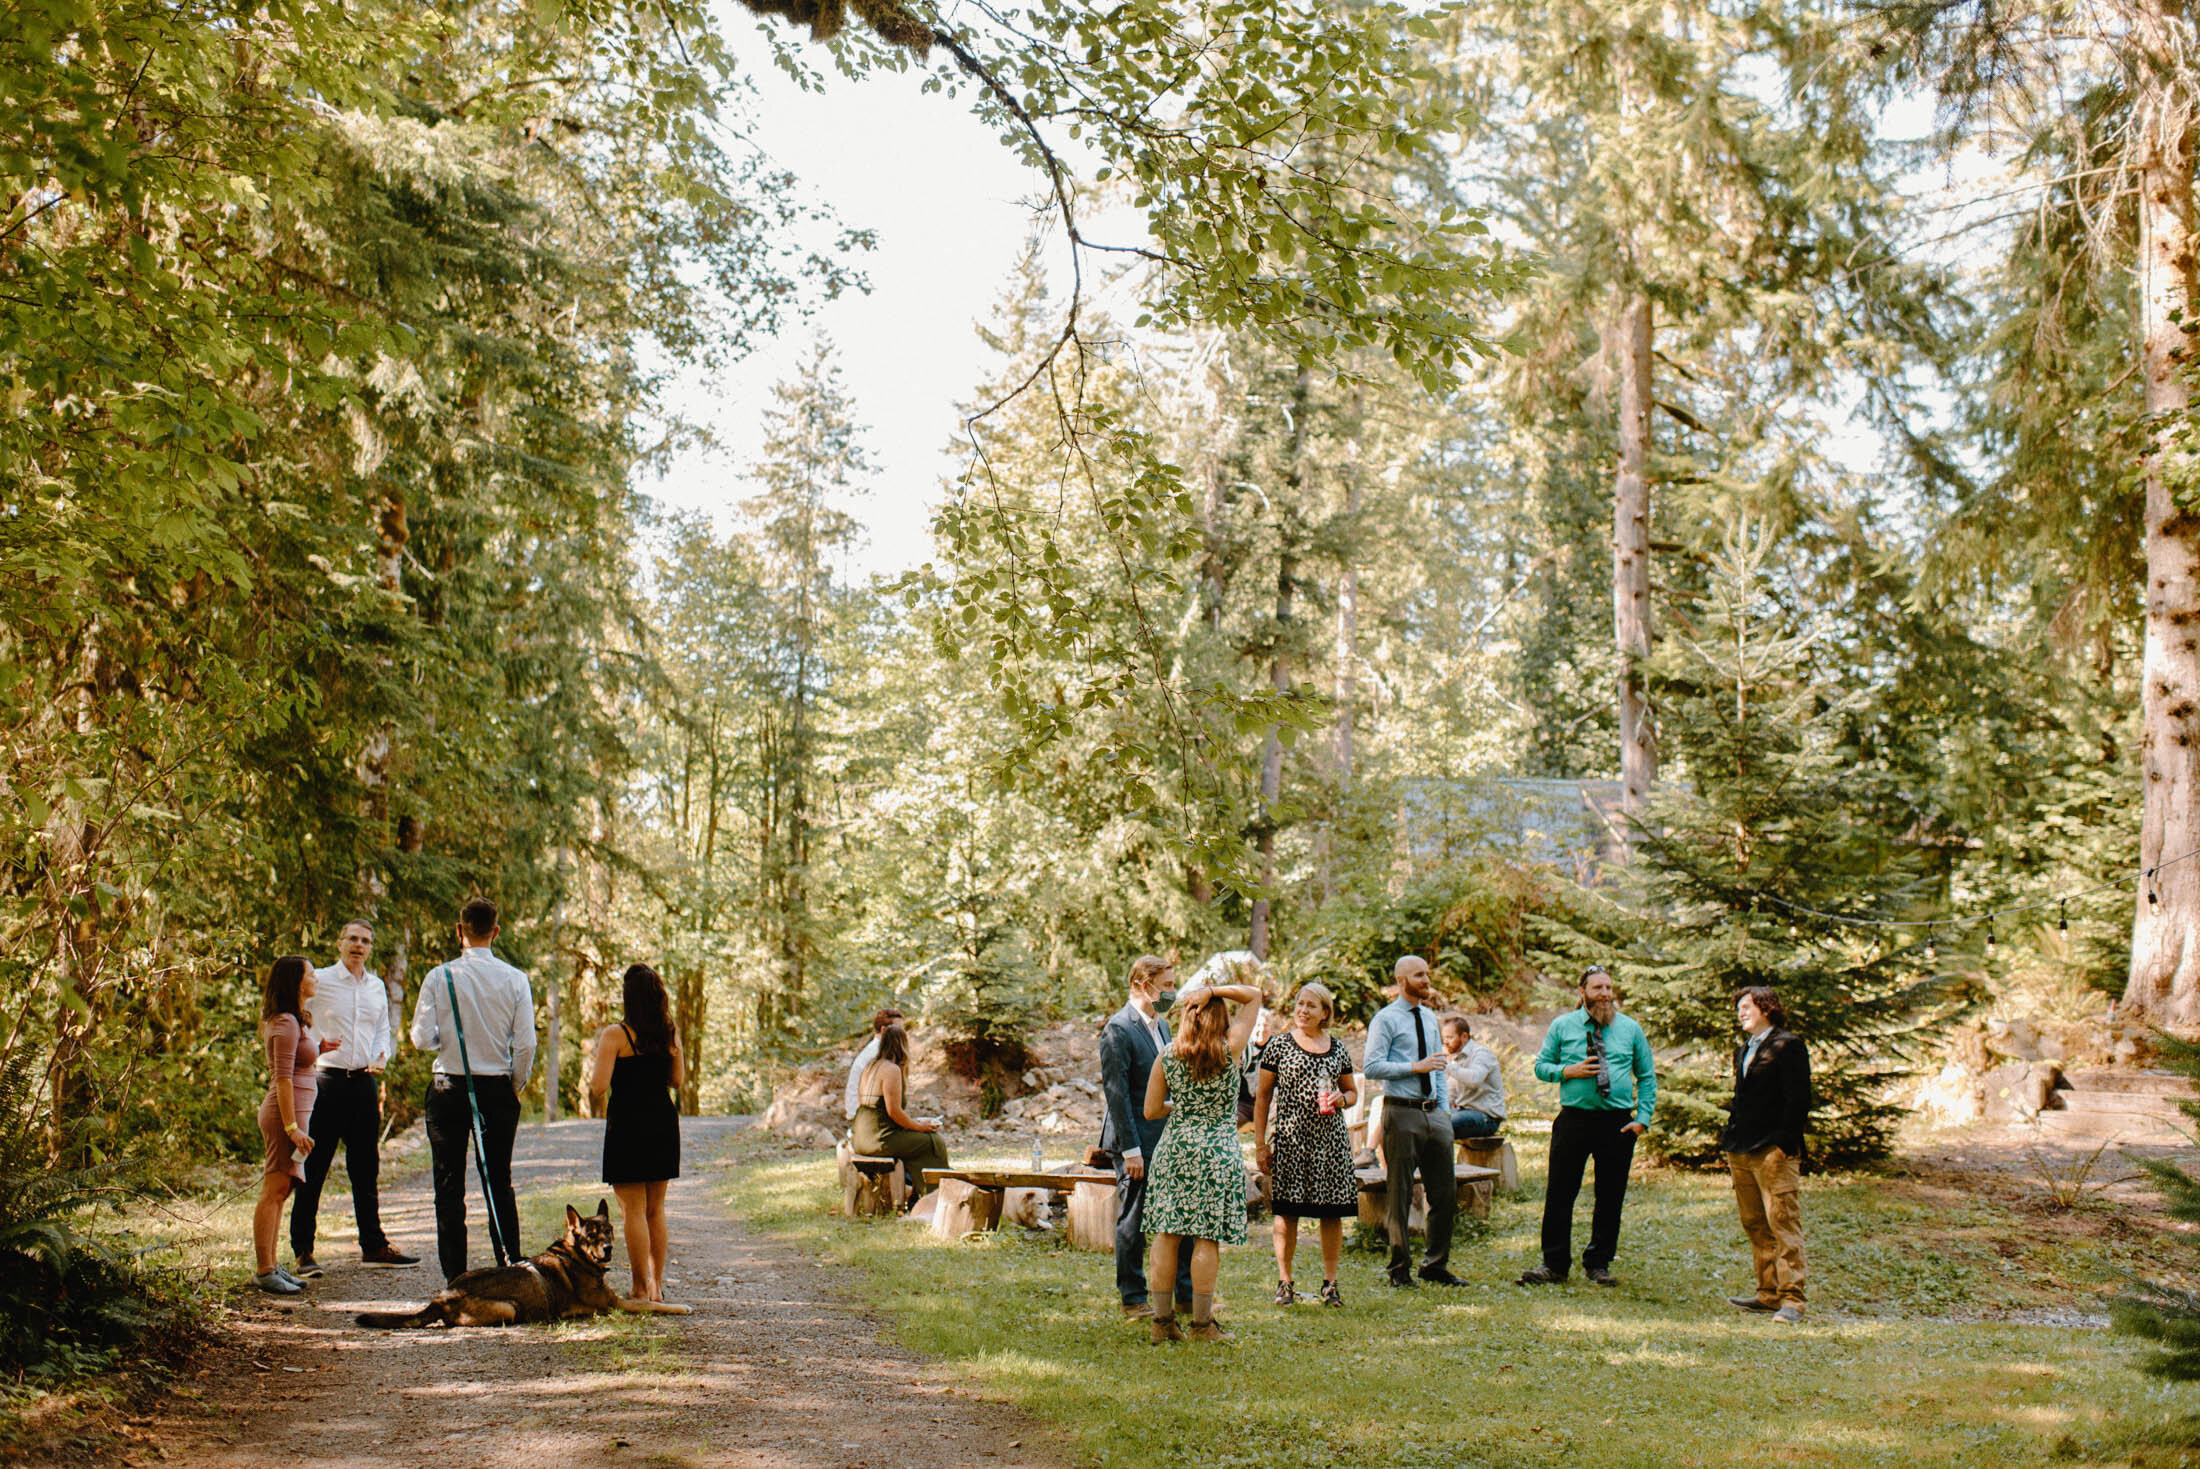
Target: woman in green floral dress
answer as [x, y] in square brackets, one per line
[1195, 1182]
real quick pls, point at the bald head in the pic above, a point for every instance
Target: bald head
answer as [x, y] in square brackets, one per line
[1411, 972]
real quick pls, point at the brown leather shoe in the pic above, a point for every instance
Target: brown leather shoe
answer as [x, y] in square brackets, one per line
[1210, 1331]
[389, 1257]
[1164, 1328]
[1143, 1311]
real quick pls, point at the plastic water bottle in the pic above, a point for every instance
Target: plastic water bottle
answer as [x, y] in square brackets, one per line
[1038, 1155]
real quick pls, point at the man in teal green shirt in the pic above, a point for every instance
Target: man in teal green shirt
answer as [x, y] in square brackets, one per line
[1607, 1092]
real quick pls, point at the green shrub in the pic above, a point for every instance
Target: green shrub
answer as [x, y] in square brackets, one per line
[72, 1300]
[1470, 919]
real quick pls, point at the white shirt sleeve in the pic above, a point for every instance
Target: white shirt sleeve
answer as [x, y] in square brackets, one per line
[427, 1030]
[523, 1030]
[379, 1045]
[853, 1097]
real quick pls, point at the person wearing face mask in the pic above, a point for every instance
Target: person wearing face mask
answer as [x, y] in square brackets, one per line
[1607, 1092]
[1129, 1044]
[1763, 1139]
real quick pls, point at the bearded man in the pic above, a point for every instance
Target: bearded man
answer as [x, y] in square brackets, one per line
[1607, 1092]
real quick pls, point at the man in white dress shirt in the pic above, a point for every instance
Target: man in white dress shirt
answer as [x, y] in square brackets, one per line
[351, 1006]
[496, 1012]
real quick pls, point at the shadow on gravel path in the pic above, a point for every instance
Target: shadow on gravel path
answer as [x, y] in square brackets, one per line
[775, 1368]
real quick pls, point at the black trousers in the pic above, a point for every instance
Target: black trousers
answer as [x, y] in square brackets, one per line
[1130, 1241]
[1414, 1140]
[1577, 1135]
[347, 1109]
[450, 1127]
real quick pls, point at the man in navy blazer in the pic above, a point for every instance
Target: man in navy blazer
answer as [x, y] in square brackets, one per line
[1129, 1044]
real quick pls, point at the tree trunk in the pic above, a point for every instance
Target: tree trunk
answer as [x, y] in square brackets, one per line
[376, 759]
[1279, 671]
[1638, 747]
[688, 1002]
[1348, 623]
[2164, 987]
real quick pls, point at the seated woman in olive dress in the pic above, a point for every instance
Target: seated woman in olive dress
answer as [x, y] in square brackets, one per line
[1195, 1183]
[881, 1127]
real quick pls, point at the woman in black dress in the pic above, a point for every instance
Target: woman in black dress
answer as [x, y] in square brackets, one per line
[638, 1061]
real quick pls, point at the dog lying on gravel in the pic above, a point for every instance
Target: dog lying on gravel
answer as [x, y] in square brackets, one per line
[565, 1280]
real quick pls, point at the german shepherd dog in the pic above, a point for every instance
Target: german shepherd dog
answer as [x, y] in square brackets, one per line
[564, 1280]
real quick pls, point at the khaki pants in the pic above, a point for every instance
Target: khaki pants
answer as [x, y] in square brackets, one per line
[1766, 1185]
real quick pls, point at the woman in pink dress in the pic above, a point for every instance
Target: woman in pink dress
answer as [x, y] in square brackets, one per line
[286, 1032]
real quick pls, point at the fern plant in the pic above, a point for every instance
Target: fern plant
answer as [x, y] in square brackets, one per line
[72, 1299]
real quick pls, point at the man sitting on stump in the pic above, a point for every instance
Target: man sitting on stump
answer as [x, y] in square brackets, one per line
[1607, 1092]
[1476, 1080]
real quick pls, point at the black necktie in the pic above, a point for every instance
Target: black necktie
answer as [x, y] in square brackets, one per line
[1420, 1041]
[1604, 1064]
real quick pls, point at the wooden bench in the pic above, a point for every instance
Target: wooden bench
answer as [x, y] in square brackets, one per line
[1493, 1152]
[970, 1198]
[1475, 1183]
[870, 1183]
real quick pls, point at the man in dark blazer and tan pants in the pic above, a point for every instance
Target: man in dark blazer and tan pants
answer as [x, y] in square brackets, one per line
[1763, 1140]
[1129, 1044]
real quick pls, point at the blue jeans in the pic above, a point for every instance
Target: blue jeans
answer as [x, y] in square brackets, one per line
[1130, 1242]
[1466, 1122]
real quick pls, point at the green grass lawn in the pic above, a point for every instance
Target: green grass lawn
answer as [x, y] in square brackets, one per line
[1890, 1367]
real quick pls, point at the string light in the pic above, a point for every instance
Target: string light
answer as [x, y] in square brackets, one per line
[1989, 938]
[2154, 899]
[1932, 950]
[2063, 925]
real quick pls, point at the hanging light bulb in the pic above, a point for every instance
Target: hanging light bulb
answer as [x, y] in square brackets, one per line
[2064, 924]
[2154, 899]
[1989, 938]
[1932, 950]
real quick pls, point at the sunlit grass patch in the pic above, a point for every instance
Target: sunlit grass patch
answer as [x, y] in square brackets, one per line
[1658, 1372]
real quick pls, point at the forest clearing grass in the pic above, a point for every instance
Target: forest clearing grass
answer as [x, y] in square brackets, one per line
[1890, 1367]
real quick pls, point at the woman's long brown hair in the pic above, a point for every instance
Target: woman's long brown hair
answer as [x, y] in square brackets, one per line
[1202, 1037]
[279, 996]
[648, 1011]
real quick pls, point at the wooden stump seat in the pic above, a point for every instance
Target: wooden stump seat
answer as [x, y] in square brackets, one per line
[1493, 1152]
[871, 1183]
[1092, 1217]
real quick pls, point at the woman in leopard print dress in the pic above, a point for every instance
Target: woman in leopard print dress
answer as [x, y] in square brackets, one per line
[1309, 1160]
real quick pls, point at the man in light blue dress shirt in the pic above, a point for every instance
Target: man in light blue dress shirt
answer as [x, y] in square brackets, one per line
[1405, 1053]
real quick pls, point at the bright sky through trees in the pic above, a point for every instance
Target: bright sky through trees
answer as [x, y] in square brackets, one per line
[951, 210]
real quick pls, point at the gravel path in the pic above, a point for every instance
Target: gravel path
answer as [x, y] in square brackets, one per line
[775, 1368]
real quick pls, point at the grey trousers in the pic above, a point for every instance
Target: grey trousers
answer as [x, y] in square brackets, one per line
[1414, 1140]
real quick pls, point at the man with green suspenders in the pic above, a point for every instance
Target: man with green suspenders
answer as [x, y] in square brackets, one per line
[477, 1013]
